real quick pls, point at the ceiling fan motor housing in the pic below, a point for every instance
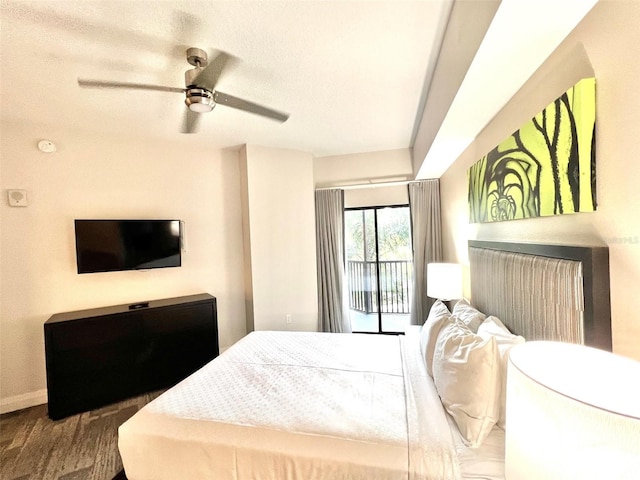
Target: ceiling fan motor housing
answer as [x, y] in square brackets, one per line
[199, 99]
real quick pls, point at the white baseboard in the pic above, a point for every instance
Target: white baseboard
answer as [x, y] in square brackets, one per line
[18, 402]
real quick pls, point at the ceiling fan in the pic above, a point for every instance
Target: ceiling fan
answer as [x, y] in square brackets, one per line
[201, 95]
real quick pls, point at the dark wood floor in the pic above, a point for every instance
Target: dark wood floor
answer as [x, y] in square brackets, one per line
[80, 447]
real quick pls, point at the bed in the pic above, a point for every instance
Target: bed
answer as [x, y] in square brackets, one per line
[302, 405]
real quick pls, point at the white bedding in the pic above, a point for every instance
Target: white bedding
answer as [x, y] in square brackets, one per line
[292, 405]
[485, 462]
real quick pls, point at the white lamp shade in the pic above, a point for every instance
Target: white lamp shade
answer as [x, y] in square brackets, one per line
[572, 412]
[444, 281]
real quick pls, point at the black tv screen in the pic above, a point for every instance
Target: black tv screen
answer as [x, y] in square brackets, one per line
[114, 245]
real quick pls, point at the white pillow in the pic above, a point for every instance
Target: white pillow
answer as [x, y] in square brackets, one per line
[466, 372]
[493, 327]
[438, 316]
[469, 315]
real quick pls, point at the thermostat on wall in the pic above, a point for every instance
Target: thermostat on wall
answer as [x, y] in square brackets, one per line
[17, 198]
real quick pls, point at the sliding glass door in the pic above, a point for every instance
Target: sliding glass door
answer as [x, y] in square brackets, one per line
[379, 268]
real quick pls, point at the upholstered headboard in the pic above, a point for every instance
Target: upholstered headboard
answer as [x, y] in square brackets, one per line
[544, 292]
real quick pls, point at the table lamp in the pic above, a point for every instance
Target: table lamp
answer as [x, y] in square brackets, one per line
[444, 281]
[572, 412]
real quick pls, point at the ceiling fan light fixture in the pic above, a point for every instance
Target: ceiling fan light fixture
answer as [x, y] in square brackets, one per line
[199, 100]
[200, 107]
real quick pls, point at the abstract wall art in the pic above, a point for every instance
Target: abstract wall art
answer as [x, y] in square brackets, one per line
[547, 167]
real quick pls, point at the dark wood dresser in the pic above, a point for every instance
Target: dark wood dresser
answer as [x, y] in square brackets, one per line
[103, 355]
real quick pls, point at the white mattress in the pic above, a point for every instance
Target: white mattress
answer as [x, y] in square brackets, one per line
[295, 405]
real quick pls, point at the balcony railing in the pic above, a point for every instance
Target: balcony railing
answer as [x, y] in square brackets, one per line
[396, 278]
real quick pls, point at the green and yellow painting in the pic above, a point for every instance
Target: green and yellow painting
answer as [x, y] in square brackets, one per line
[545, 168]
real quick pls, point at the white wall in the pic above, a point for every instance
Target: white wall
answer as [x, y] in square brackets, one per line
[606, 43]
[376, 196]
[94, 176]
[246, 241]
[366, 168]
[280, 238]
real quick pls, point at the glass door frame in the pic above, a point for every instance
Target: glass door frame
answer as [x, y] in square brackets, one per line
[375, 209]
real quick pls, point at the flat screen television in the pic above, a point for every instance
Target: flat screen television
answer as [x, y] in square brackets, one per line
[115, 245]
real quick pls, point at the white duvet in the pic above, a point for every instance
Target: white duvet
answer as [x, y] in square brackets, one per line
[297, 405]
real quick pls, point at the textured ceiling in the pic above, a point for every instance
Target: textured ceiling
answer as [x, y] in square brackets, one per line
[351, 74]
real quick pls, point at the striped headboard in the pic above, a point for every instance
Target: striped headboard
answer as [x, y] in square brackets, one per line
[544, 292]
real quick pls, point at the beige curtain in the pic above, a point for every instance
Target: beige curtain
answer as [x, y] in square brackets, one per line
[332, 314]
[424, 200]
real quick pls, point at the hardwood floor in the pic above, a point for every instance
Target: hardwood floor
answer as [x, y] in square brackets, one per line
[80, 447]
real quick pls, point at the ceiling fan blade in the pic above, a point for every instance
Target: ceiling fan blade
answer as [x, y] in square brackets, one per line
[137, 86]
[210, 75]
[235, 102]
[190, 121]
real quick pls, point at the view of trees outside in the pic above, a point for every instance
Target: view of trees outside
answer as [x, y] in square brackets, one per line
[392, 287]
[394, 234]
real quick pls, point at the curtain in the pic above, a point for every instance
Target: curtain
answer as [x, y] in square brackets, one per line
[424, 201]
[332, 315]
